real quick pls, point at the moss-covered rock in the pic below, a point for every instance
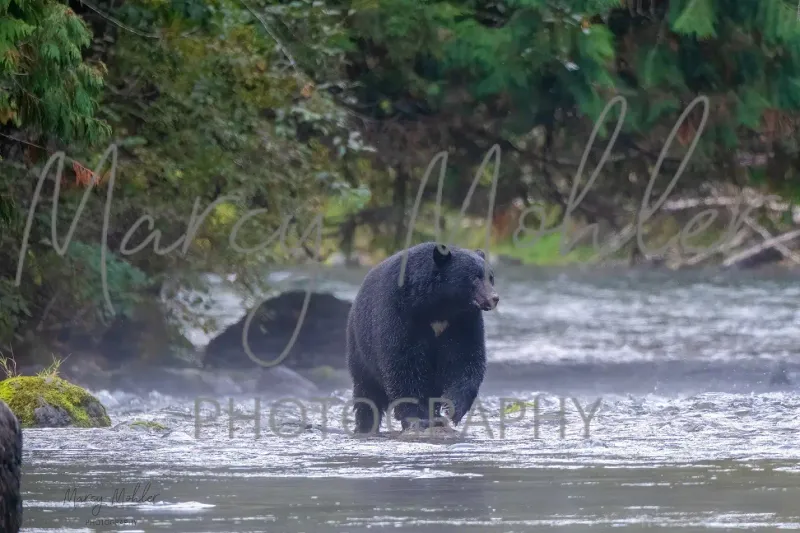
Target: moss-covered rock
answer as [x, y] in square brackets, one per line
[49, 401]
[149, 425]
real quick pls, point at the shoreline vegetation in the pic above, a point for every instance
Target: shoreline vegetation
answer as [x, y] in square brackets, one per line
[721, 231]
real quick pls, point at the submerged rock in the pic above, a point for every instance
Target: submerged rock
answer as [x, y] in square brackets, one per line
[10, 469]
[144, 425]
[50, 401]
[320, 340]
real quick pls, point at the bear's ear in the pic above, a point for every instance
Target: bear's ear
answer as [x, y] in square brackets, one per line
[441, 254]
[480, 253]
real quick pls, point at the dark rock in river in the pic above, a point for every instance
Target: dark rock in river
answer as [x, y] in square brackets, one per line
[765, 257]
[10, 471]
[320, 340]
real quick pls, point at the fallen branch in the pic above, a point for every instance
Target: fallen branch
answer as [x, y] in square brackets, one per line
[760, 248]
[772, 205]
[736, 241]
[778, 246]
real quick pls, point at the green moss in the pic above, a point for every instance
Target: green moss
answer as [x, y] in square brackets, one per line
[24, 394]
[147, 424]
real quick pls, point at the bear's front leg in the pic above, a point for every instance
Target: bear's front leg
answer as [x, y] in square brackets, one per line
[459, 399]
[410, 406]
[463, 366]
[408, 376]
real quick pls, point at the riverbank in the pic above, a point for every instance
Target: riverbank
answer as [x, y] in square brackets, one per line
[716, 231]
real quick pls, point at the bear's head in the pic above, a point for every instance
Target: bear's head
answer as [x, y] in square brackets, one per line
[465, 279]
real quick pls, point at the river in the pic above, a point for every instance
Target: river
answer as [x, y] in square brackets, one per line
[691, 433]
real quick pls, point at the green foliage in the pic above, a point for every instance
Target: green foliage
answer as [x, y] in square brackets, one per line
[14, 308]
[349, 200]
[536, 75]
[204, 104]
[124, 281]
[693, 17]
[44, 82]
[538, 53]
[51, 371]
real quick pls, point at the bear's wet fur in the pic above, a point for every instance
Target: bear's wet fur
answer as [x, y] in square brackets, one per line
[10, 471]
[421, 339]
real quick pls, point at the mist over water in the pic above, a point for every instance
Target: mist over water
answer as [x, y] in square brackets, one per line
[692, 432]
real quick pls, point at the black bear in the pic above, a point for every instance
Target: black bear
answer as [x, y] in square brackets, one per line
[418, 337]
[10, 471]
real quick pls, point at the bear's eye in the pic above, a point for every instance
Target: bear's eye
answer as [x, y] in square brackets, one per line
[491, 279]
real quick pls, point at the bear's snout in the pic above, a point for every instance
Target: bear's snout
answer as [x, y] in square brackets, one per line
[486, 298]
[491, 302]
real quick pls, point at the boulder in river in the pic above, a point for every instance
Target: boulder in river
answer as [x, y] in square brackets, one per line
[320, 340]
[10, 471]
[50, 401]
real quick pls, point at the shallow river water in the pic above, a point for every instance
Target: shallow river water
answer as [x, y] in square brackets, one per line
[692, 431]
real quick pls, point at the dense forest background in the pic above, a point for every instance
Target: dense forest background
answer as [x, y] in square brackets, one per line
[325, 115]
